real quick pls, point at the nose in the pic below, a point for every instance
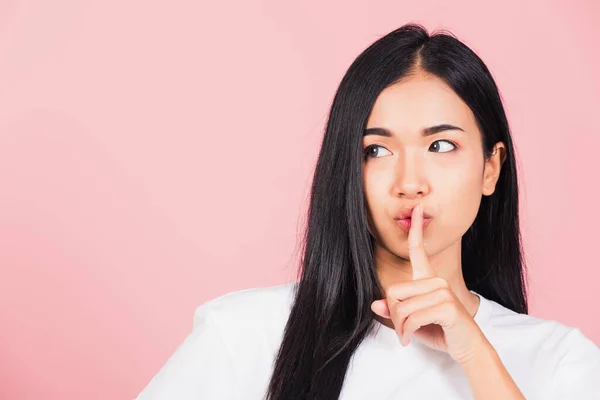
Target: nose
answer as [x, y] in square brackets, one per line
[410, 181]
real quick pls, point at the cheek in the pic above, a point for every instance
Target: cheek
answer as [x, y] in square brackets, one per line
[459, 195]
[457, 183]
[375, 189]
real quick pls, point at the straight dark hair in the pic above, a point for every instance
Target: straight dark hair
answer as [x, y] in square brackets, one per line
[331, 312]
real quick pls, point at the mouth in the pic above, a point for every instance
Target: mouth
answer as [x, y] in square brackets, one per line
[406, 213]
[405, 223]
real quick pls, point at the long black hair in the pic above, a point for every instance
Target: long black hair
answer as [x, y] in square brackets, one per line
[331, 312]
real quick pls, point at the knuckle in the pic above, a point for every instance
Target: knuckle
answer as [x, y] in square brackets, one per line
[396, 290]
[444, 295]
[450, 309]
[441, 282]
[402, 310]
[410, 321]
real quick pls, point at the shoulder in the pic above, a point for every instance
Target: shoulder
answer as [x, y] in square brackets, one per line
[234, 339]
[567, 358]
[250, 306]
[576, 372]
[249, 325]
[525, 327]
[528, 334]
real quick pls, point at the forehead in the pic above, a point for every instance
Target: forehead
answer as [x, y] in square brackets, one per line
[417, 102]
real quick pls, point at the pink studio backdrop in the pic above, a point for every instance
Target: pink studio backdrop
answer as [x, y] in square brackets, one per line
[154, 155]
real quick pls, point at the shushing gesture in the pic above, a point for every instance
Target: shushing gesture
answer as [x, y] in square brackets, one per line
[427, 308]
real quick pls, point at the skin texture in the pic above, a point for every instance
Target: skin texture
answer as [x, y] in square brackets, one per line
[446, 172]
[425, 296]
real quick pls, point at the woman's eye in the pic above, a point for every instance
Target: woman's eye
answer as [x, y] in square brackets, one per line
[443, 141]
[372, 151]
[439, 146]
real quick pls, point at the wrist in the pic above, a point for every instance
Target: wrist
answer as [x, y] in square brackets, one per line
[483, 356]
[488, 377]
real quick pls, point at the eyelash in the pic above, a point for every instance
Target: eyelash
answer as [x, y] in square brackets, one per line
[366, 151]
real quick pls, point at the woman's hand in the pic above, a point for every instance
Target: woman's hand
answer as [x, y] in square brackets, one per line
[428, 309]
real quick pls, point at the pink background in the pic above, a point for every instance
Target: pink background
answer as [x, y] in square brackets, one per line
[154, 155]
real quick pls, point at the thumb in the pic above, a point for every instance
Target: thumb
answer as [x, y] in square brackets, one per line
[380, 307]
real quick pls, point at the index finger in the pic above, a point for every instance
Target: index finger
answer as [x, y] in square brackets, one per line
[416, 250]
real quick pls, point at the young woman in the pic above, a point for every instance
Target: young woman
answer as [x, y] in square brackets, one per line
[412, 282]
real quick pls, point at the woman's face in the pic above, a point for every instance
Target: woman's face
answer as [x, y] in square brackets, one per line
[443, 170]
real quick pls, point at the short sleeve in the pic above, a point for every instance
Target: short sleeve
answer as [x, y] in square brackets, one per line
[200, 368]
[577, 374]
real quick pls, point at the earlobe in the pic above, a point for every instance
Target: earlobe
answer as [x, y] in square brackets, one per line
[489, 182]
[492, 170]
[488, 187]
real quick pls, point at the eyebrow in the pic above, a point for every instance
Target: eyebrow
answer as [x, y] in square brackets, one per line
[432, 130]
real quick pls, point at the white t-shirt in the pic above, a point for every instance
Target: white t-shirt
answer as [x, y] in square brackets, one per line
[230, 353]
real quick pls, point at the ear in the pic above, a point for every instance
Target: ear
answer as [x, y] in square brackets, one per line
[491, 171]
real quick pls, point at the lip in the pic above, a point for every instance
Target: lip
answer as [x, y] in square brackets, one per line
[405, 223]
[407, 213]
